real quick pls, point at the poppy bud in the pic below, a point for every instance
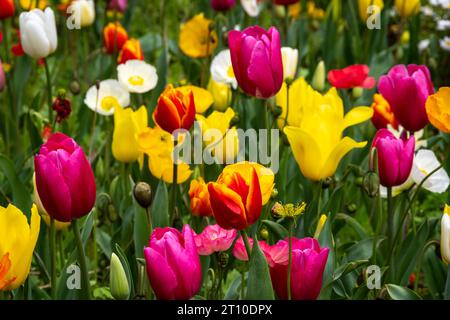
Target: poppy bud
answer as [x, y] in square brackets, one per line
[74, 87]
[143, 194]
[371, 184]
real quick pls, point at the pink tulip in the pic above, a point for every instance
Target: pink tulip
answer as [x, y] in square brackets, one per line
[119, 5]
[64, 179]
[2, 76]
[395, 157]
[222, 5]
[173, 264]
[214, 239]
[308, 265]
[407, 90]
[256, 59]
[240, 253]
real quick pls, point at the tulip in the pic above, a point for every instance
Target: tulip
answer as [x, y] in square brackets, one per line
[197, 38]
[222, 5]
[221, 93]
[364, 5]
[114, 37]
[2, 77]
[38, 33]
[383, 115]
[214, 239]
[64, 179]
[315, 128]
[407, 8]
[351, 77]
[252, 7]
[18, 239]
[407, 89]
[318, 80]
[198, 193]
[120, 289]
[7, 9]
[84, 10]
[308, 265]
[395, 157]
[438, 109]
[32, 4]
[131, 50]
[203, 99]
[127, 124]
[236, 203]
[175, 110]
[173, 264]
[290, 61]
[445, 235]
[257, 60]
[119, 5]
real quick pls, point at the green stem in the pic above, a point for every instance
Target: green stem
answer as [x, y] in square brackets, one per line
[174, 184]
[150, 220]
[247, 243]
[49, 92]
[53, 257]
[289, 270]
[447, 285]
[82, 260]
[390, 217]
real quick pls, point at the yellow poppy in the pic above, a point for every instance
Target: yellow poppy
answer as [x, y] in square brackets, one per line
[315, 127]
[438, 109]
[197, 39]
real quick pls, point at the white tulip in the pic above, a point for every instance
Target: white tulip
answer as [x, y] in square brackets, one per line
[252, 7]
[83, 11]
[38, 33]
[290, 62]
[445, 236]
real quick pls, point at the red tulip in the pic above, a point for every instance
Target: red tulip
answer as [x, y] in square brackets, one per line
[64, 179]
[222, 5]
[352, 77]
[7, 9]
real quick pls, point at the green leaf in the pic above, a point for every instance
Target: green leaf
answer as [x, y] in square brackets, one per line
[141, 232]
[276, 228]
[354, 224]
[104, 241]
[259, 285]
[20, 195]
[160, 206]
[401, 293]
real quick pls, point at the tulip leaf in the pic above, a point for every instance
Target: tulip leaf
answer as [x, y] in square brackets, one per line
[160, 206]
[401, 293]
[276, 228]
[259, 284]
[20, 195]
[362, 234]
[141, 230]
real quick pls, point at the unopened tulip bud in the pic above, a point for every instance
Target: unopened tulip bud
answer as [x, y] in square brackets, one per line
[371, 184]
[119, 286]
[318, 81]
[143, 194]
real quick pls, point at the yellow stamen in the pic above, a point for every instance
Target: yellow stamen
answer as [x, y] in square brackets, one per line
[230, 72]
[109, 103]
[136, 81]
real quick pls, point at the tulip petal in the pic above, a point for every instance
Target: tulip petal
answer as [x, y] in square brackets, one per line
[160, 274]
[259, 71]
[254, 199]
[357, 115]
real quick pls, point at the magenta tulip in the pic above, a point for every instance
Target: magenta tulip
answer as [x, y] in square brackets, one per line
[2, 77]
[308, 265]
[407, 89]
[119, 5]
[173, 264]
[64, 179]
[285, 2]
[214, 239]
[256, 60]
[222, 5]
[395, 157]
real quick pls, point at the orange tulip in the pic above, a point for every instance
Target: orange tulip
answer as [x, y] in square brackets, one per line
[175, 110]
[114, 37]
[200, 204]
[236, 204]
[6, 9]
[131, 50]
[5, 265]
[383, 114]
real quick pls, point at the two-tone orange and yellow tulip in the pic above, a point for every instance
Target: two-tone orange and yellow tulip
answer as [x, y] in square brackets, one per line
[114, 37]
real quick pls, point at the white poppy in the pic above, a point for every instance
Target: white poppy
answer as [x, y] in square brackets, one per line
[425, 162]
[222, 69]
[252, 7]
[290, 62]
[445, 43]
[398, 189]
[110, 95]
[38, 33]
[418, 135]
[424, 44]
[137, 76]
[444, 4]
[443, 25]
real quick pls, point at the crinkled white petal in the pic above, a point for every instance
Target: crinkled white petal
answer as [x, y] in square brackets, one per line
[108, 88]
[141, 69]
[220, 66]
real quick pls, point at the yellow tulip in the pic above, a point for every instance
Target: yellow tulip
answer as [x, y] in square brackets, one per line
[363, 5]
[18, 239]
[407, 8]
[221, 94]
[203, 99]
[220, 121]
[59, 226]
[315, 127]
[265, 175]
[127, 124]
[157, 144]
[32, 4]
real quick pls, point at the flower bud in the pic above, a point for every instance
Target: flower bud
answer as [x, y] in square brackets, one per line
[143, 194]
[371, 184]
[318, 81]
[277, 111]
[223, 259]
[119, 286]
[357, 92]
[264, 234]
[274, 193]
[74, 87]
